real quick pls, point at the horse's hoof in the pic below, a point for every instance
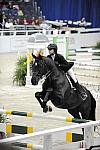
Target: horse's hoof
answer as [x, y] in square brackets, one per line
[45, 109]
[50, 108]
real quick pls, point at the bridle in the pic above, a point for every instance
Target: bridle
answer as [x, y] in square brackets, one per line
[44, 77]
[47, 74]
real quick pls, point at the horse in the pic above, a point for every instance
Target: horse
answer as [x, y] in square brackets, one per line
[57, 88]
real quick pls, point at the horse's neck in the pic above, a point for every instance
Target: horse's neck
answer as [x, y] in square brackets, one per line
[58, 77]
[69, 81]
[62, 81]
[60, 84]
[66, 80]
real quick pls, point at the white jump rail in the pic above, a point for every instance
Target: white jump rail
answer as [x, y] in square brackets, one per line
[42, 116]
[47, 144]
[59, 118]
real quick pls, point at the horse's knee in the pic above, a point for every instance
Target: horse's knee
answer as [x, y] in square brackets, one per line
[37, 94]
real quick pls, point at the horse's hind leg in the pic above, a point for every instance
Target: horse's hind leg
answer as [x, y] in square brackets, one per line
[87, 108]
[74, 113]
[93, 107]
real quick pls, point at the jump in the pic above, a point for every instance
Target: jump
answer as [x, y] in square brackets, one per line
[57, 88]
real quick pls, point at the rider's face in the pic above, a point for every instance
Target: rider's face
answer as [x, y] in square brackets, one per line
[51, 51]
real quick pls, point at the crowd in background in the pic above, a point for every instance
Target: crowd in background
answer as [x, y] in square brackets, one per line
[12, 13]
[22, 12]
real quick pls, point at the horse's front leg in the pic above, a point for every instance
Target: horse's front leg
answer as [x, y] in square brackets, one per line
[38, 96]
[43, 99]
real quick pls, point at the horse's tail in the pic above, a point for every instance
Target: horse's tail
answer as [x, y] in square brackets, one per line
[93, 108]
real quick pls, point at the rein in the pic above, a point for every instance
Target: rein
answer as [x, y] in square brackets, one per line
[44, 77]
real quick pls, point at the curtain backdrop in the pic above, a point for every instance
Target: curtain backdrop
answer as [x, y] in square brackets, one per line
[71, 10]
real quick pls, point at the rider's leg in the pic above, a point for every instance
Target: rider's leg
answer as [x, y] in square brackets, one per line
[76, 84]
[72, 75]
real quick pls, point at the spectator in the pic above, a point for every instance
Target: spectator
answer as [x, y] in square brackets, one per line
[25, 21]
[20, 13]
[43, 25]
[36, 20]
[33, 21]
[9, 24]
[82, 23]
[4, 19]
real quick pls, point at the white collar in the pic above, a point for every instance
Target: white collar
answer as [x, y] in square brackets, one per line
[53, 56]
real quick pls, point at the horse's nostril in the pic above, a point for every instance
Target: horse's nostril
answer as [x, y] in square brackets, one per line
[33, 81]
[36, 83]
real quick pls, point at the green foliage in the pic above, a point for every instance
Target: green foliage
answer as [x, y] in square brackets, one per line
[20, 72]
[98, 45]
[2, 118]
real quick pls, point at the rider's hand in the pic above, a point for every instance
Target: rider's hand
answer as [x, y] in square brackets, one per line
[57, 64]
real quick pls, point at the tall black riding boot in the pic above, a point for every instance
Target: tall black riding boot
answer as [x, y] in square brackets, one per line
[80, 90]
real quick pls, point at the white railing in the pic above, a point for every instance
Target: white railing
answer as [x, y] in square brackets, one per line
[16, 38]
[47, 134]
[26, 31]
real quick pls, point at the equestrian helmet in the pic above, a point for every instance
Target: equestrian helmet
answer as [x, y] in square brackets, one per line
[52, 46]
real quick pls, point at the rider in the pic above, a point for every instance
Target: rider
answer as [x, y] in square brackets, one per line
[66, 67]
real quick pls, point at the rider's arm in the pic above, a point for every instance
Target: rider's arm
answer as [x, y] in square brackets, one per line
[63, 64]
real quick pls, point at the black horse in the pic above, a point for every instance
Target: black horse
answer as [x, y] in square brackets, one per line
[57, 88]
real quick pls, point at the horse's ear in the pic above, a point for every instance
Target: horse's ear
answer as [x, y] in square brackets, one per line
[40, 57]
[34, 56]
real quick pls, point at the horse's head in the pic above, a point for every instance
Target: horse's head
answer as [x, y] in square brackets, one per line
[39, 69]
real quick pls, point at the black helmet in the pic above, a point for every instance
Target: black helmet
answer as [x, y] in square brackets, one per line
[52, 46]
